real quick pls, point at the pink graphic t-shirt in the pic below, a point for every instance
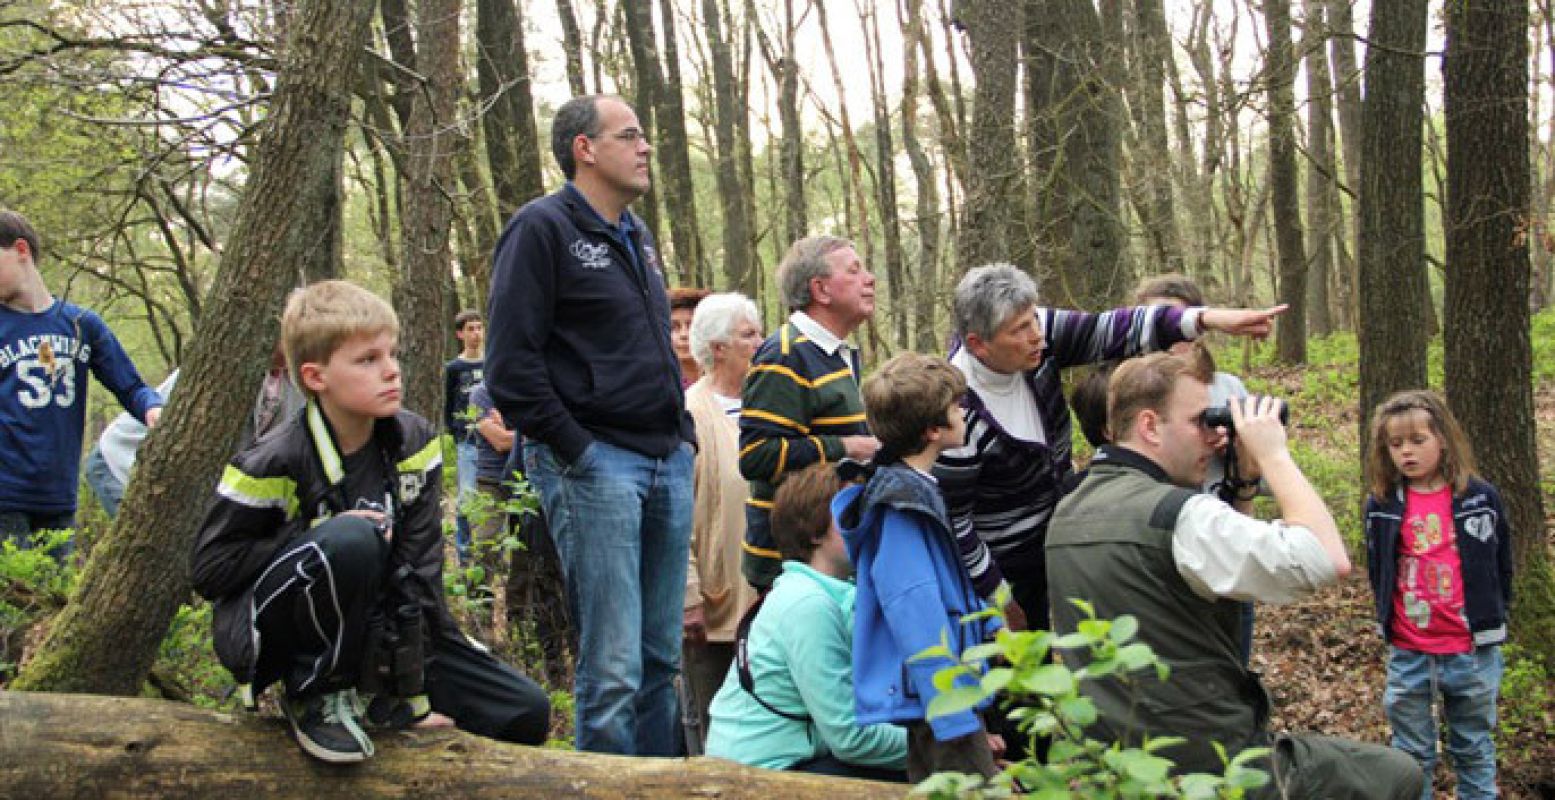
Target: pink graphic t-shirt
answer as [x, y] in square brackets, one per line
[1428, 601]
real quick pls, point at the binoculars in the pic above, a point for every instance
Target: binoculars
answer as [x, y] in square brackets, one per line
[1220, 417]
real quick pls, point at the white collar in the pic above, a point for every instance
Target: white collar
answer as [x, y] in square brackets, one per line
[818, 333]
[981, 378]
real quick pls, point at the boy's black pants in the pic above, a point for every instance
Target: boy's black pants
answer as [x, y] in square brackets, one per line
[311, 606]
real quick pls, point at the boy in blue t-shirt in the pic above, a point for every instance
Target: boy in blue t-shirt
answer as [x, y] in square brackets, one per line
[47, 346]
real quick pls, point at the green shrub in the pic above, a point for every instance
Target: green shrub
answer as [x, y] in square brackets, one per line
[33, 587]
[1053, 705]
[1526, 698]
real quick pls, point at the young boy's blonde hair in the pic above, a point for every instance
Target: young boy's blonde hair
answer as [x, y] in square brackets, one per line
[322, 316]
[909, 395]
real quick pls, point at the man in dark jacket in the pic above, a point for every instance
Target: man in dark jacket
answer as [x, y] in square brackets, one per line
[580, 361]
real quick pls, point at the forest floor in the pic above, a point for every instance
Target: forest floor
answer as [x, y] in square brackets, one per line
[1321, 659]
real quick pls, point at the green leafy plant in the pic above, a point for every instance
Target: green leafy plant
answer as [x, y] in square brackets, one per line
[33, 587]
[1054, 706]
[1526, 697]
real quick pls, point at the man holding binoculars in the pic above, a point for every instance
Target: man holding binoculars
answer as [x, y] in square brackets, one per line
[1138, 537]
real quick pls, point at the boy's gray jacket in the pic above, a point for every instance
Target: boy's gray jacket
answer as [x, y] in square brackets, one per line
[286, 483]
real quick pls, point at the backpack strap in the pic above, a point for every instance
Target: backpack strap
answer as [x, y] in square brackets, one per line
[1164, 515]
[742, 662]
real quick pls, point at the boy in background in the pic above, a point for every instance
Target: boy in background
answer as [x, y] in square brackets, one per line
[459, 378]
[913, 590]
[47, 346]
[327, 535]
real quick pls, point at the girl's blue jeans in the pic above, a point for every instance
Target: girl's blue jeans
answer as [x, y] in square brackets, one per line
[1466, 685]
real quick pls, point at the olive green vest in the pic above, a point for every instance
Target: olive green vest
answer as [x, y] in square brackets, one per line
[1110, 543]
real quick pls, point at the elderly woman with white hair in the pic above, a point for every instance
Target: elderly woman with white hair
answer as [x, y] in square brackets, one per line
[725, 332]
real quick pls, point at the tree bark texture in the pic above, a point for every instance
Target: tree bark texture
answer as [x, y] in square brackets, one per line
[503, 77]
[1391, 244]
[637, 19]
[785, 72]
[1347, 102]
[103, 747]
[402, 50]
[106, 638]
[1074, 115]
[1284, 179]
[572, 41]
[675, 163]
[480, 213]
[1321, 197]
[1152, 156]
[426, 270]
[324, 260]
[995, 180]
[738, 244]
[885, 183]
[926, 276]
[1488, 356]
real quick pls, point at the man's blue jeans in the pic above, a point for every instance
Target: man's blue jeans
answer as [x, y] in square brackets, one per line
[622, 526]
[464, 468]
[1468, 685]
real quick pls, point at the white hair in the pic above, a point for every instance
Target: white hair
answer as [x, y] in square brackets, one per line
[714, 321]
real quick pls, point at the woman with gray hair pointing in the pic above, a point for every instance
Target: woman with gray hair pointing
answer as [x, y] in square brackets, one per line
[1001, 486]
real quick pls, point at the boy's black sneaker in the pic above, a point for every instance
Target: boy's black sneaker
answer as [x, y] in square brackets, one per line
[326, 727]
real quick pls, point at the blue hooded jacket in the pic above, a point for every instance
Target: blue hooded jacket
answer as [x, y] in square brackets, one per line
[912, 590]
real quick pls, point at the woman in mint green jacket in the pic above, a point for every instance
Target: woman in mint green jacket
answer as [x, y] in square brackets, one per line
[798, 712]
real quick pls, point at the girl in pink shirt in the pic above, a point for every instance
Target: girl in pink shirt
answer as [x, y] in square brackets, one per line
[1439, 549]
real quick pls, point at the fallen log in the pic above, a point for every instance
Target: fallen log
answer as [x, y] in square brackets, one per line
[89, 746]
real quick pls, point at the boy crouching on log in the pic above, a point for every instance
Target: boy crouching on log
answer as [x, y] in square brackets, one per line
[323, 552]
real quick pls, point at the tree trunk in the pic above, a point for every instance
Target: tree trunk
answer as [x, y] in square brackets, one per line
[1487, 354]
[1291, 339]
[784, 66]
[323, 261]
[738, 253]
[1205, 213]
[861, 230]
[1391, 247]
[675, 158]
[926, 275]
[637, 20]
[572, 40]
[1320, 171]
[484, 220]
[995, 181]
[402, 51]
[1195, 172]
[1152, 157]
[1073, 118]
[421, 291]
[1347, 94]
[82, 746]
[107, 637]
[885, 182]
[502, 71]
[745, 159]
[950, 118]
